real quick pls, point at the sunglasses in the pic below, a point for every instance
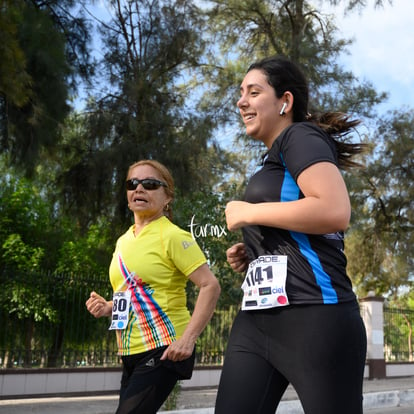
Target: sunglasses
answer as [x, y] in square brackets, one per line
[147, 183]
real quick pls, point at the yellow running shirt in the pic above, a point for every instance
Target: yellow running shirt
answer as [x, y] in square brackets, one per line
[154, 267]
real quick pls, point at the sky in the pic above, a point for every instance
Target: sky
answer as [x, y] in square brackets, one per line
[383, 48]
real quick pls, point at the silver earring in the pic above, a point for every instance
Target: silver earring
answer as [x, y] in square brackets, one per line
[282, 111]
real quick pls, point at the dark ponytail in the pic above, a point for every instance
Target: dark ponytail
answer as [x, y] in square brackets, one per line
[338, 125]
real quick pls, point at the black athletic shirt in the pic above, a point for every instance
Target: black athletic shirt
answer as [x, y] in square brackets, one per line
[316, 271]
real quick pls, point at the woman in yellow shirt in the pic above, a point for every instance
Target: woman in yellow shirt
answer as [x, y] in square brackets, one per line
[151, 265]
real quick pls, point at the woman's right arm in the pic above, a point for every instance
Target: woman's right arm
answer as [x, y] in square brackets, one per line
[98, 306]
[325, 207]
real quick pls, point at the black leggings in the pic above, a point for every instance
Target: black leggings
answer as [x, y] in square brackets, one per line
[319, 349]
[146, 381]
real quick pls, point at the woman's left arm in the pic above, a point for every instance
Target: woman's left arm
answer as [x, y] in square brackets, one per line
[203, 311]
[324, 209]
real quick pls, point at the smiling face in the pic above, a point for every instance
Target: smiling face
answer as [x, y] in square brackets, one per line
[260, 108]
[147, 205]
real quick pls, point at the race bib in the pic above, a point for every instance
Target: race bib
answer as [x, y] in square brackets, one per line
[265, 283]
[120, 310]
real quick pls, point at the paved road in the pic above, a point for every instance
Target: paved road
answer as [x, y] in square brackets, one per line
[389, 396]
[107, 405]
[67, 406]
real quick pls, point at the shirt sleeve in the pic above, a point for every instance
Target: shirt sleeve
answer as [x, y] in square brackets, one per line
[304, 145]
[184, 251]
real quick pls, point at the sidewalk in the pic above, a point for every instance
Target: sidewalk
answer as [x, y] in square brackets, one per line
[390, 392]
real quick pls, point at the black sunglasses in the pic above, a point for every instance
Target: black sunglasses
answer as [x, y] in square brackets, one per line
[147, 183]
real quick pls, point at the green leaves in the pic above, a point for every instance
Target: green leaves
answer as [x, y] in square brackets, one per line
[202, 213]
[168, 76]
[20, 255]
[35, 72]
[380, 242]
[28, 302]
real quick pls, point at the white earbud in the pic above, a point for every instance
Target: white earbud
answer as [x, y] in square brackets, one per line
[282, 111]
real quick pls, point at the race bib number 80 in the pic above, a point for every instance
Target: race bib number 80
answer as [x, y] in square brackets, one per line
[120, 310]
[265, 283]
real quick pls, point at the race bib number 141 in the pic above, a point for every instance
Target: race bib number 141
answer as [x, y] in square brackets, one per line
[265, 283]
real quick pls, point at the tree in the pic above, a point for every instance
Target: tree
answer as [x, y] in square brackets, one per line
[26, 216]
[24, 223]
[14, 80]
[202, 213]
[381, 240]
[37, 62]
[170, 72]
[41, 255]
[151, 49]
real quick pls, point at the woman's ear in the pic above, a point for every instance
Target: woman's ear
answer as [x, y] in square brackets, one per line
[287, 105]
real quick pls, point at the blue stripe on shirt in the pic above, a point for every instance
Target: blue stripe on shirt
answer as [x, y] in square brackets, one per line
[290, 192]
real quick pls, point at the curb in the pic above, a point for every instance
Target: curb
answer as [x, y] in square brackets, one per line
[389, 399]
[372, 400]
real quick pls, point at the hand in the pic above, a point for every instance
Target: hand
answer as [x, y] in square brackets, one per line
[237, 257]
[98, 306]
[235, 214]
[179, 350]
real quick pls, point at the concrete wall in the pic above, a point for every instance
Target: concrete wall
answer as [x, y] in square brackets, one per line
[94, 381]
[42, 382]
[15, 383]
